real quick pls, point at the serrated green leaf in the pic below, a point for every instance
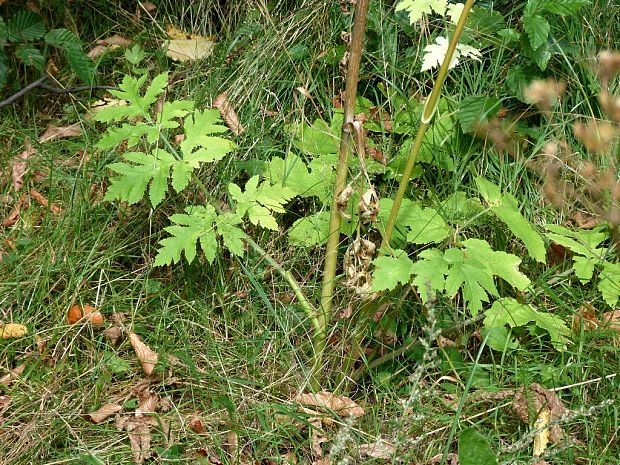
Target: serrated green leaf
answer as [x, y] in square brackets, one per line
[318, 139]
[132, 133]
[470, 274]
[171, 110]
[537, 29]
[4, 32]
[540, 55]
[316, 179]
[4, 68]
[505, 207]
[476, 109]
[310, 230]
[30, 56]
[134, 178]
[474, 449]
[389, 271]
[25, 25]
[609, 283]
[258, 201]
[426, 226]
[584, 268]
[130, 92]
[582, 242]
[499, 263]
[135, 54]
[429, 273]
[195, 225]
[417, 8]
[563, 7]
[519, 77]
[499, 338]
[510, 312]
[231, 234]
[71, 45]
[157, 86]
[199, 145]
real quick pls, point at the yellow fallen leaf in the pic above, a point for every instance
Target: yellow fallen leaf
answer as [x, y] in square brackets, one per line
[12, 331]
[541, 439]
[189, 49]
[103, 413]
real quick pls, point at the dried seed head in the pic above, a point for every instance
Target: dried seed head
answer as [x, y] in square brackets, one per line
[596, 136]
[544, 93]
[608, 65]
[610, 105]
[343, 199]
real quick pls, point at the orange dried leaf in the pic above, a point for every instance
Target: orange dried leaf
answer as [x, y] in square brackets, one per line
[196, 424]
[147, 358]
[103, 413]
[611, 320]
[42, 200]
[63, 132]
[229, 115]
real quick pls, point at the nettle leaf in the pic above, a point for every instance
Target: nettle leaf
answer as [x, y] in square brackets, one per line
[417, 8]
[135, 176]
[537, 29]
[505, 207]
[310, 230]
[258, 201]
[390, 271]
[318, 139]
[195, 225]
[509, 312]
[475, 109]
[138, 105]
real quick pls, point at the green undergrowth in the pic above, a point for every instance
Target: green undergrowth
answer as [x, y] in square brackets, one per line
[232, 339]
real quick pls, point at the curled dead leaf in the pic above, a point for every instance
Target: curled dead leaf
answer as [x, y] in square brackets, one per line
[113, 333]
[62, 132]
[22, 204]
[19, 166]
[109, 43]
[342, 405]
[229, 115]
[541, 438]
[586, 316]
[42, 200]
[12, 331]
[530, 400]
[146, 357]
[377, 450]
[611, 320]
[139, 432]
[103, 413]
[343, 199]
[196, 424]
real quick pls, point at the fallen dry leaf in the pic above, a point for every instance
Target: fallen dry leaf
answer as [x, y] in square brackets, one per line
[611, 320]
[19, 165]
[42, 200]
[584, 221]
[187, 47]
[4, 404]
[149, 402]
[63, 132]
[232, 444]
[530, 400]
[229, 115]
[139, 431]
[340, 404]
[303, 91]
[109, 43]
[323, 461]
[103, 413]
[84, 313]
[196, 424]
[113, 333]
[12, 375]
[12, 331]
[586, 316]
[147, 358]
[541, 438]
[377, 450]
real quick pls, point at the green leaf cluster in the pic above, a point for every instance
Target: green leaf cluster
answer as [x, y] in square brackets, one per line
[156, 167]
[508, 312]
[470, 268]
[589, 256]
[18, 33]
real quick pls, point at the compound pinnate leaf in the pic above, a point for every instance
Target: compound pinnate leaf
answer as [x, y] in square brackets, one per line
[390, 271]
[230, 233]
[138, 105]
[474, 449]
[195, 225]
[258, 201]
[135, 177]
[509, 312]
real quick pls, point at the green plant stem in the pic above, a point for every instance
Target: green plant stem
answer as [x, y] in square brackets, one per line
[428, 112]
[331, 252]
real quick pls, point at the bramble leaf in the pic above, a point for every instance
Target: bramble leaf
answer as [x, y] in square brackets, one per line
[537, 29]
